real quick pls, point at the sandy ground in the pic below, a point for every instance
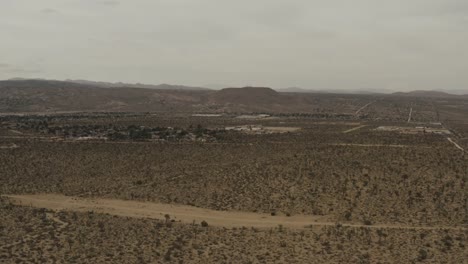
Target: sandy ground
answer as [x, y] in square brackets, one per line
[410, 114]
[10, 146]
[186, 214]
[455, 143]
[377, 145]
[362, 108]
[354, 129]
[281, 129]
[343, 123]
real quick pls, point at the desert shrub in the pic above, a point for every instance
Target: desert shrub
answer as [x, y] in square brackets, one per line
[422, 254]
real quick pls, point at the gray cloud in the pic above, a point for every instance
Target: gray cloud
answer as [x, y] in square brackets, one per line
[49, 11]
[14, 70]
[110, 3]
[366, 44]
[22, 71]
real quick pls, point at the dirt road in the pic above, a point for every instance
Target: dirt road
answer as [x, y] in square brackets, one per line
[456, 145]
[378, 145]
[410, 114]
[362, 108]
[186, 214]
[354, 129]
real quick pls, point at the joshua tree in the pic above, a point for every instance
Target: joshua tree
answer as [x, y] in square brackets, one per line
[167, 218]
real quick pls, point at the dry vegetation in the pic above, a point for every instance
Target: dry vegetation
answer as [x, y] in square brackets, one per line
[40, 236]
[364, 176]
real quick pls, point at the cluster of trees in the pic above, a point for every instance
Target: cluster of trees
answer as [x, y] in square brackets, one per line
[113, 132]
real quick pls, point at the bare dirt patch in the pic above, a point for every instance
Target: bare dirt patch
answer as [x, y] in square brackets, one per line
[258, 129]
[207, 115]
[354, 129]
[456, 144]
[362, 108]
[414, 130]
[343, 123]
[187, 214]
[9, 146]
[377, 145]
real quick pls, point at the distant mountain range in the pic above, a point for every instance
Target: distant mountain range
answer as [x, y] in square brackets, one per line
[422, 93]
[426, 93]
[37, 95]
[139, 85]
[122, 85]
[334, 91]
[64, 96]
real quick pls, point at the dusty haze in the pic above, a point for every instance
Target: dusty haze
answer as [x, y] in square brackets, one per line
[363, 44]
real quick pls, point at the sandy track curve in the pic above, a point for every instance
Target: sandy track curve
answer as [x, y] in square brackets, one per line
[354, 129]
[186, 214]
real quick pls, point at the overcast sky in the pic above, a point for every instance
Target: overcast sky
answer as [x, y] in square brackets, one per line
[326, 44]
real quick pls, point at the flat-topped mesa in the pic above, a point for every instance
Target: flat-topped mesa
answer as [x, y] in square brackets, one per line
[248, 95]
[249, 89]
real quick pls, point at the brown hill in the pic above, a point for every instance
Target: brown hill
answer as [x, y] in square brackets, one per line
[423, 93]
[257, 99]
[247, 95]
[62, 96]
[49, 96]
